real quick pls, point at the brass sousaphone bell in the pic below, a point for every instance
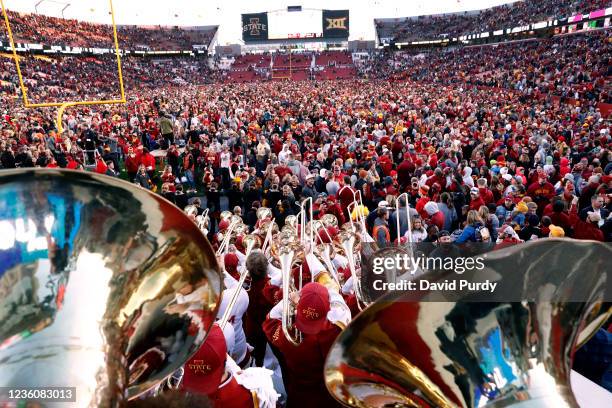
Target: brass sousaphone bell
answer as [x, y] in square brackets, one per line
[413, 349]
[104, 286]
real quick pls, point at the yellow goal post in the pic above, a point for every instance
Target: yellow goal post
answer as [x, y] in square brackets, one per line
[63, 105]
[283, 77]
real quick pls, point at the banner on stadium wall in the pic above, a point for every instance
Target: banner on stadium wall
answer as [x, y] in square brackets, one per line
[255, 27]
[335, 23]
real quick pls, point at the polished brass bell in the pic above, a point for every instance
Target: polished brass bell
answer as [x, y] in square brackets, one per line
[408, 350]
[104, 286]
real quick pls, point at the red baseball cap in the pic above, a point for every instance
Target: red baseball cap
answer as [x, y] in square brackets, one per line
[324, 236]
[238, 243]
[312, 308]
[203, 371]
[231, 262]
[223, 225]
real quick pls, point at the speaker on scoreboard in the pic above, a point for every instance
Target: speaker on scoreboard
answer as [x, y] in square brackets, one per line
[335, 23]
[255, 27]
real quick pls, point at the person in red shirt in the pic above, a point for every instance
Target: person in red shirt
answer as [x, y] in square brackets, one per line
[73, 164]
[230, 261]
[559, 217]
[485, 193]
[541, 192]
[587, 229]
[338, 175]
[437, 177]
[205, 373]
[404, 171]
[435, 216]
[334, 208]
[346, 195]
[168, 176]
[52, 163]
[132, 161]
[475, 200]
[148, 160]
[304, 363]
[282, 169]
[423, 199]
[385, 164]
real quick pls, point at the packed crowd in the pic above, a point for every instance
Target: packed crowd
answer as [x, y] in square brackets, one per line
[495, 18]
[571, 67]
[273, 144]
[575, 66]
[52, 79]
[497, 167]
[42, 29]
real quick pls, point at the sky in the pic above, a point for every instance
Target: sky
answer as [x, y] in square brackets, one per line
[226, 13]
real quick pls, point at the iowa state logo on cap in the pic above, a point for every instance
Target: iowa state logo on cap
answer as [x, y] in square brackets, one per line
[200, 367]
[310, 313]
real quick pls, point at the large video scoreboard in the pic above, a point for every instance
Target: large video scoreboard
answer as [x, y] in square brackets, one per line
[302, 24]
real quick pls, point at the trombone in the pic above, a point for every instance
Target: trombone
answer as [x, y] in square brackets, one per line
[235, 221]
[203, 222]
[361, 218]
[287, 252]
[302, 221]
[250, 241]
[397, 219]
[323, 252]
[270, 226]
[348, 240]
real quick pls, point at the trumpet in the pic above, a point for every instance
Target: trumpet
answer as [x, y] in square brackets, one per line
[202, 221]
[267, 230]
[323, 251]
[306, 205]
[250, 242]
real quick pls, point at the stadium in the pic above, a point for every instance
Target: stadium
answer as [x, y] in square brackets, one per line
[306, 204]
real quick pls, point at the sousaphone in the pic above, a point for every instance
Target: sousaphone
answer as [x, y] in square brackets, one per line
[104, 286]
[510, 347]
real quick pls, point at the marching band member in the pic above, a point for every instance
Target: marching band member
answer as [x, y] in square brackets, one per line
[231, 261]
[259, 305]
[213, 373]
[241, 349]
[303, 364]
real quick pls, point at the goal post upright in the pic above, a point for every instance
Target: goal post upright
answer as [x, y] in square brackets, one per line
[63, 105]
